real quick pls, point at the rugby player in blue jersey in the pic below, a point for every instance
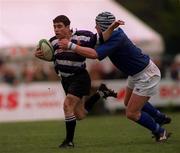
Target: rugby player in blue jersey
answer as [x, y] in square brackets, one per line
[143, 75]
[71, 67]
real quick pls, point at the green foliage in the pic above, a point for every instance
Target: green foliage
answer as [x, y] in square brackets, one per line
[107, 134]
[161, 15]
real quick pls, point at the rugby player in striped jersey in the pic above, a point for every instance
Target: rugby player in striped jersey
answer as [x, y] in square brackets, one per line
[71, 67]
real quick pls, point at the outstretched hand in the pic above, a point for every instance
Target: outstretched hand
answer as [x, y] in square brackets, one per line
[116, 24]
[108, 32]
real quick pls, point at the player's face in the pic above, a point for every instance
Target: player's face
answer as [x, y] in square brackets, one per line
[61, 31]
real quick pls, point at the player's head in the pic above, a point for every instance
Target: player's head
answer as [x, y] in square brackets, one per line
[61, 26]
[104, 20]
[63, 19]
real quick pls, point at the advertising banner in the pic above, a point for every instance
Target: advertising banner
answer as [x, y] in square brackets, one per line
[44, 101]
[35, 101]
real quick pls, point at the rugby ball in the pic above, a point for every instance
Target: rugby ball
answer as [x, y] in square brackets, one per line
[47, 49]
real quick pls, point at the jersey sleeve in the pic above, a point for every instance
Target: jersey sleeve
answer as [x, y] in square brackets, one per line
[107, 48]
[85, 38]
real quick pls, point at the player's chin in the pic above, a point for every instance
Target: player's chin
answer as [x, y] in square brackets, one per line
[58, 36]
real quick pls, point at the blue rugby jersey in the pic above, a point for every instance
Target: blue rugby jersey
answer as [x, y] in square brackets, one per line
[123, 53]
[68, 63]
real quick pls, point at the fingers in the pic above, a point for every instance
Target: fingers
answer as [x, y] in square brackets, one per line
[38, 53]
[116, 24]
[120, 22]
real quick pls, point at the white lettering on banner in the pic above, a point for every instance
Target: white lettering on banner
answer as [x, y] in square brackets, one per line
[37, 101]
[41, 99]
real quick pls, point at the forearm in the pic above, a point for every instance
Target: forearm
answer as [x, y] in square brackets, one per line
[107, 34]
[86, 52]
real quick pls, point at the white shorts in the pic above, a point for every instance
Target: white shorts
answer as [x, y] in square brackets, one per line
[146, 82]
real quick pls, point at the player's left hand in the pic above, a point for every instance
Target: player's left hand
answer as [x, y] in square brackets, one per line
[63, 44]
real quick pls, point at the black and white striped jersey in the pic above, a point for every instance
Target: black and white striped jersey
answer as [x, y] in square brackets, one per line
[68, 63]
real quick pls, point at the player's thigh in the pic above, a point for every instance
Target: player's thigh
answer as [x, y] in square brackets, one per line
[127, 95]
[136, 102]
[129, 89]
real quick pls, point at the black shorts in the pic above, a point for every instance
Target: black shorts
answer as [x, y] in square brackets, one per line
[78, 85]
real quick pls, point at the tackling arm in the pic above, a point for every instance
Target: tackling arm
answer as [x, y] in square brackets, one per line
[107, 33]
[89, 52]
[84, 51]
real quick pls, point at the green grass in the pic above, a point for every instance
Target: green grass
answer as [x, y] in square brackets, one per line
[105, 134]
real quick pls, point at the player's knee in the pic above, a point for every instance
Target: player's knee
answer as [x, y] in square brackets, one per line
[68, 108]
[132, 116]
[80, 115]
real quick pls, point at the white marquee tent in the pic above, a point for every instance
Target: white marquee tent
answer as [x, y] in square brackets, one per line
[24, 22]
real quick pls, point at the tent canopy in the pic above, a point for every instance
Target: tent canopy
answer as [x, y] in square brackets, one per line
[24, 22]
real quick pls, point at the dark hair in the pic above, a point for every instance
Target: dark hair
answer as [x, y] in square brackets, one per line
[62, 18]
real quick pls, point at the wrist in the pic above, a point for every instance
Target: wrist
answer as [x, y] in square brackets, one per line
[71, 46]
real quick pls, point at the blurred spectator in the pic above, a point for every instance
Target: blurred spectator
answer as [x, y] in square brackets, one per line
[1, 70]
[96, 71]
[29, 70]
[104, 71]
[175, 68]
[8, 75]
[113, 73]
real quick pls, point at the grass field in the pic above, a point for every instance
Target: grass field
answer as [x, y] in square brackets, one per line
[105, 134]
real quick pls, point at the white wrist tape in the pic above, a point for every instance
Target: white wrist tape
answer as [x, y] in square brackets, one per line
[71, 46]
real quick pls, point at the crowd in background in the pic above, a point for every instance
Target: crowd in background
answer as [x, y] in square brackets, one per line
[26, 71]
[33, 70]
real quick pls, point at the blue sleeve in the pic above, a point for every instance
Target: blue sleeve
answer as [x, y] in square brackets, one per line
[114, 43]
[107, 48]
